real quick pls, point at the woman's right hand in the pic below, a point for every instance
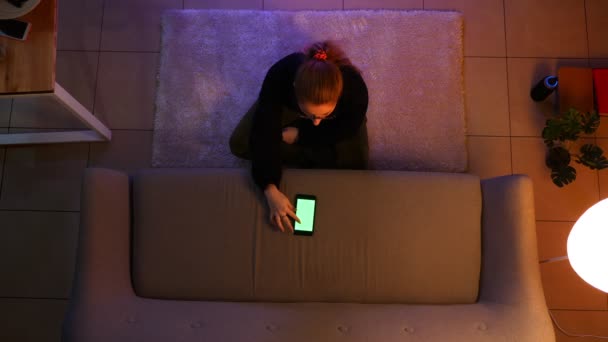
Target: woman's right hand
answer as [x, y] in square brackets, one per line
[280, 208]
[290, 135]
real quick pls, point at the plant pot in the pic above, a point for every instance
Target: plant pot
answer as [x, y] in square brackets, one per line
[557, 157]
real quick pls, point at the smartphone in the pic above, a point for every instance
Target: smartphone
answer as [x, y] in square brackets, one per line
[305, 210]
[14, 29]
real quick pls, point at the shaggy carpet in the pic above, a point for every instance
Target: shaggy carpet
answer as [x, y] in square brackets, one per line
[213, 63]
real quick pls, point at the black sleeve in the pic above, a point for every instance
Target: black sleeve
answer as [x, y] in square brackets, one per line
[266, 130]
[351, 110]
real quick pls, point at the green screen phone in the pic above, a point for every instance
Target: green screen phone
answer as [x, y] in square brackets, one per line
[305, 210]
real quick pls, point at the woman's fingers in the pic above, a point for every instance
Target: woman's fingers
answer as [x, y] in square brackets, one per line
[278, 220]
[274, 219]
[284, 220]
[294, 216]
[281, 221]
[287, 222]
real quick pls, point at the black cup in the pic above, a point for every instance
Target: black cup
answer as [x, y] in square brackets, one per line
[543, 88]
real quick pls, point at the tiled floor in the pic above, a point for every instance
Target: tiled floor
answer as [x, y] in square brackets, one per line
[108, 56]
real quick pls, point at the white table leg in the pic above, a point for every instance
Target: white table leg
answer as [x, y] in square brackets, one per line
[99, 132]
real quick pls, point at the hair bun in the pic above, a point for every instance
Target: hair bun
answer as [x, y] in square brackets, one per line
[320, 55]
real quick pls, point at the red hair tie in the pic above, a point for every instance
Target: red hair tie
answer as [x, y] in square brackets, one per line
[320, 55]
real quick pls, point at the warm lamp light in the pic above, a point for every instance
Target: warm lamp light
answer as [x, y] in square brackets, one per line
[588, 246]
[588, 252]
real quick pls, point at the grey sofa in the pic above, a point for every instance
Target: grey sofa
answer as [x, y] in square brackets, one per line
[189, 255]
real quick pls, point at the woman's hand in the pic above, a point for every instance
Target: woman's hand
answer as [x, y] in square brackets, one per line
[290, 135]
[280, 208]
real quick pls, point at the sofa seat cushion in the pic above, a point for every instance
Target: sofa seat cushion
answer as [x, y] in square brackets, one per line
[380, 237]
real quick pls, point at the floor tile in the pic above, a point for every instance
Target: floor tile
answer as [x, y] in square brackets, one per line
[43, 177]
[528, 117]
[581, 323]
[31, 320]
[5, 111]
[128, 151]
[603, 174]
[489, 156]
[76, 73]
[551, 202]
[564, 289]
[487, 105]
[45, 268]
[42, 112]
[598, 62]
[2, 157]
[546, 28]
[387, 4]
[79, 24]
[484, 28]
[224, 4]
[552, 237]
[597, 28]
[126, 89]
[134, 25]
[302, 5]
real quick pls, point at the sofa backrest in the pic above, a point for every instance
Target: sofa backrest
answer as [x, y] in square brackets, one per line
[380, 237]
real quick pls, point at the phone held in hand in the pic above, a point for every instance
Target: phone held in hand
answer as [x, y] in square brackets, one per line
[305, 210]
[14, 29]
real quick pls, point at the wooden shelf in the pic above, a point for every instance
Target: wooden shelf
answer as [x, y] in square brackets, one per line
[29, 66]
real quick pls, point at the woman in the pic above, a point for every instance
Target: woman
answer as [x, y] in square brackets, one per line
[310, 114]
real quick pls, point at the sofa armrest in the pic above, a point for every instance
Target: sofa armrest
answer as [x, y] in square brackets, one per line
[510, 272]
[103, 257]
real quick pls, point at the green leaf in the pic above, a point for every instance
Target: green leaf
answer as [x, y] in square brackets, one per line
[592, 157]
[551, 132]
[564, 127]
[563, 175]
[571, 125]
[590, 122]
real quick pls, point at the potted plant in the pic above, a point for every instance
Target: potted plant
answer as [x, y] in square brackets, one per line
[560, 133]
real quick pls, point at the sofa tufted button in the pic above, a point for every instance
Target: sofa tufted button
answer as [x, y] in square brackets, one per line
[272, 327]
[196, 325]
[482, 326]
[343, 329]
[409, 330]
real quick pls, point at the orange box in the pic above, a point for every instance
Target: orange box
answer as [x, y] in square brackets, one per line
[575, 89]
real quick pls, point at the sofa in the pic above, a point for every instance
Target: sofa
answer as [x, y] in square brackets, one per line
[190, 255]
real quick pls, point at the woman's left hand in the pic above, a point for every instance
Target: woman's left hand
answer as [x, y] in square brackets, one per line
[290, 135]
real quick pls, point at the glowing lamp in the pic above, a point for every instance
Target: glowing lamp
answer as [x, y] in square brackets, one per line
[588, 246]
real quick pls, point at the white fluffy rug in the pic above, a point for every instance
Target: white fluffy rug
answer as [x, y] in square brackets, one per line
[213, 63]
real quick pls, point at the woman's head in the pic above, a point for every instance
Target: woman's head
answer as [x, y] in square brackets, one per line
[318, 81]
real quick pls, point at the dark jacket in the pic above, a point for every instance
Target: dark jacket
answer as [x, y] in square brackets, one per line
[277, 91]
